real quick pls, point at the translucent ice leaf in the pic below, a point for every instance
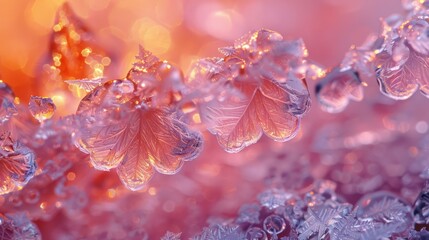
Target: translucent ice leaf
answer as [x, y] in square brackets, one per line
[17, 164]
[143, 140]
[240, 122]
[350, 228]
[41, 108]
[319, 219]
[337, 88]
[171, 236]
[18, 227]
[401, 81]
[263, 93]
[86, 84]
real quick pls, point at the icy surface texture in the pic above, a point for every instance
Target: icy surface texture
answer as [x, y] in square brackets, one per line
[375, 216]
[132, 124]
[18, 227]
[254, 89]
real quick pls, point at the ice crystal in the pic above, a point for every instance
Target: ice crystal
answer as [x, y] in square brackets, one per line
[421, 207]
[171, 236]
[18, 227]
[270, 98]
[338, 87]
[319, 220]
[273, 198]
[17, 164]
[220, 232]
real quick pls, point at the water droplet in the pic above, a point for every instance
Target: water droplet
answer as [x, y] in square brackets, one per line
[274, 224]
[255, 233]
[336, 89]
[41, 108]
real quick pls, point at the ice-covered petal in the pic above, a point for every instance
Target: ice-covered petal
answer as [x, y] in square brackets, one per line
[337, 88]
[401, 82]
[238, 122]
[143, 140]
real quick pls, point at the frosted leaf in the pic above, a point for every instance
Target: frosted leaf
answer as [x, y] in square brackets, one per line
[220, 232]
[41, 108]
[385, 208]
[171, 236]
[401, 81]
[265, 95]
[240, 122]
[142, 140]
[421, 207]
[17, 164]
[255, 233]
[274, 224]
[339, 87]
[319, 219]
[88, 84]
[18, 227]
[249, 213]
[273, 198]
[416, 33]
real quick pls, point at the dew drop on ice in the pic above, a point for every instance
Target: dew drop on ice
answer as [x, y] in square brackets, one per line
[41, 108]
[274, 224]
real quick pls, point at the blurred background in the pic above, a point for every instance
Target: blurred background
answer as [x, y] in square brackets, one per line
[182, 30]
